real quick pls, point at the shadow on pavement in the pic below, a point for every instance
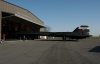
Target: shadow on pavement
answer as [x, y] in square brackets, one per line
[95, 49]
[57, 40]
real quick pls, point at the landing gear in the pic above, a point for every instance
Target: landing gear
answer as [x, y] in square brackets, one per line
[77, 40]
[64, 38]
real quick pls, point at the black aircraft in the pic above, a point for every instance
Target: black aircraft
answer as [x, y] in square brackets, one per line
[79, 33]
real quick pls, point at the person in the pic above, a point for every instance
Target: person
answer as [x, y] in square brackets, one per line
[20, 37]
[24, 38]
[4, 36]
[1, 41]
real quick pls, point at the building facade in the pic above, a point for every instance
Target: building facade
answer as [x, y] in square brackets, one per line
[14, 20]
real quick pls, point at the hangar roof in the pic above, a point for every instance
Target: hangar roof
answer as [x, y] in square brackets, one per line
[20, 12]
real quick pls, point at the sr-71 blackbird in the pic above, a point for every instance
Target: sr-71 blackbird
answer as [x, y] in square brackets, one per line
[79, 33]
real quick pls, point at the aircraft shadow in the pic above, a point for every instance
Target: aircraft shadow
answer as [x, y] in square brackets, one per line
[95, 49]
[57, 40]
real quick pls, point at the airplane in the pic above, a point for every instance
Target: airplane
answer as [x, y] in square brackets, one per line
[79, 33]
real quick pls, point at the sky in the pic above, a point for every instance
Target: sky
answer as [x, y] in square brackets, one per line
[65, 15]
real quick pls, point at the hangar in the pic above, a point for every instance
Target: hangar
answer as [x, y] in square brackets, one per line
[15, 19]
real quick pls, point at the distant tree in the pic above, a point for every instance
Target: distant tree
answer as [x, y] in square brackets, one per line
[47, 28]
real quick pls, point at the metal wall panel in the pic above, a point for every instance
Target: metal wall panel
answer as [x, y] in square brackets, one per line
[0, 24]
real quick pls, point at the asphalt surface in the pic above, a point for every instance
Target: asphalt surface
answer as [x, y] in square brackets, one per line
[50, 52]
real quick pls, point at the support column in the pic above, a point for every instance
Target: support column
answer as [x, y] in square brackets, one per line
[0, 23]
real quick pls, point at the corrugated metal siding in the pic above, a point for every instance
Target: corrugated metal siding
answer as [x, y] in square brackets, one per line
[0, 25]
[7, 7]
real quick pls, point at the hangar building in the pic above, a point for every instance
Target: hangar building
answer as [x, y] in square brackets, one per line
[15, 19]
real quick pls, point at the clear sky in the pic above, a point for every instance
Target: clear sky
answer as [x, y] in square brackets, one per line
[65, 15]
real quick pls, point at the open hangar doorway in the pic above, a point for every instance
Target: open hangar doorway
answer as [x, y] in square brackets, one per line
[14, 27]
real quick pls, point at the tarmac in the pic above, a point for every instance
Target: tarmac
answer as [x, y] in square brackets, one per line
[86, 51]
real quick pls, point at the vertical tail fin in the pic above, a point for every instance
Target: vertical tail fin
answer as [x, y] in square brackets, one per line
[83, 29]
